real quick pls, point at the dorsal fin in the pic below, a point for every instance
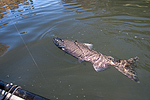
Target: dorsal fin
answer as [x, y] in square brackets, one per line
[90, 46]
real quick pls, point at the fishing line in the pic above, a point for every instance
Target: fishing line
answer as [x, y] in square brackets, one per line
[27, 49]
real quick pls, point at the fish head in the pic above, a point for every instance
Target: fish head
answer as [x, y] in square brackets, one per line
[59, 42]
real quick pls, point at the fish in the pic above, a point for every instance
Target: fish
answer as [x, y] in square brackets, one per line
[101, 62]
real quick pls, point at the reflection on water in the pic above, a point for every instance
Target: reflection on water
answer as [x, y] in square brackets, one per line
[3, 48]
[13, 6]
[81, 6]
[108, 7]
[124, 20]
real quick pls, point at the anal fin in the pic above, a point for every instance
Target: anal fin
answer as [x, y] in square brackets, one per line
[100, 67]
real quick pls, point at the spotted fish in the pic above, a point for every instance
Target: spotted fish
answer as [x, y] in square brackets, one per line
[84, 52]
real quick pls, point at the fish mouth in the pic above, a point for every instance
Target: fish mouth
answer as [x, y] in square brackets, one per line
[57, 41]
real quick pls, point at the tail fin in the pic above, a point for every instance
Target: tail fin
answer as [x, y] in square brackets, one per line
[127, 67]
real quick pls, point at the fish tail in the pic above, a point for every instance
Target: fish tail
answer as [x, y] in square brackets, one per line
[127, 67]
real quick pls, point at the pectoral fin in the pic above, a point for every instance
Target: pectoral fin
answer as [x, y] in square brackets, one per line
[80, 60]
[100, 67]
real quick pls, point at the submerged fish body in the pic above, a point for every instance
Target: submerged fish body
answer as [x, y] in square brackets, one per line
[84, 52]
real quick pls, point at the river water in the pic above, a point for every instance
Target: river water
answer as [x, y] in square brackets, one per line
[118, 28]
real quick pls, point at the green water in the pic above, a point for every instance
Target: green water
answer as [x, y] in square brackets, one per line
[29, 58]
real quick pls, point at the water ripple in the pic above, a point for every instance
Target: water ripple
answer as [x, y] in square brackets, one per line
[116, 28]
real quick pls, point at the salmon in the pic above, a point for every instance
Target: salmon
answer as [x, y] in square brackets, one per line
[101, 62]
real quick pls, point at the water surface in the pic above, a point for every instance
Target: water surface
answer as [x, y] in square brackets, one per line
[29, 58]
